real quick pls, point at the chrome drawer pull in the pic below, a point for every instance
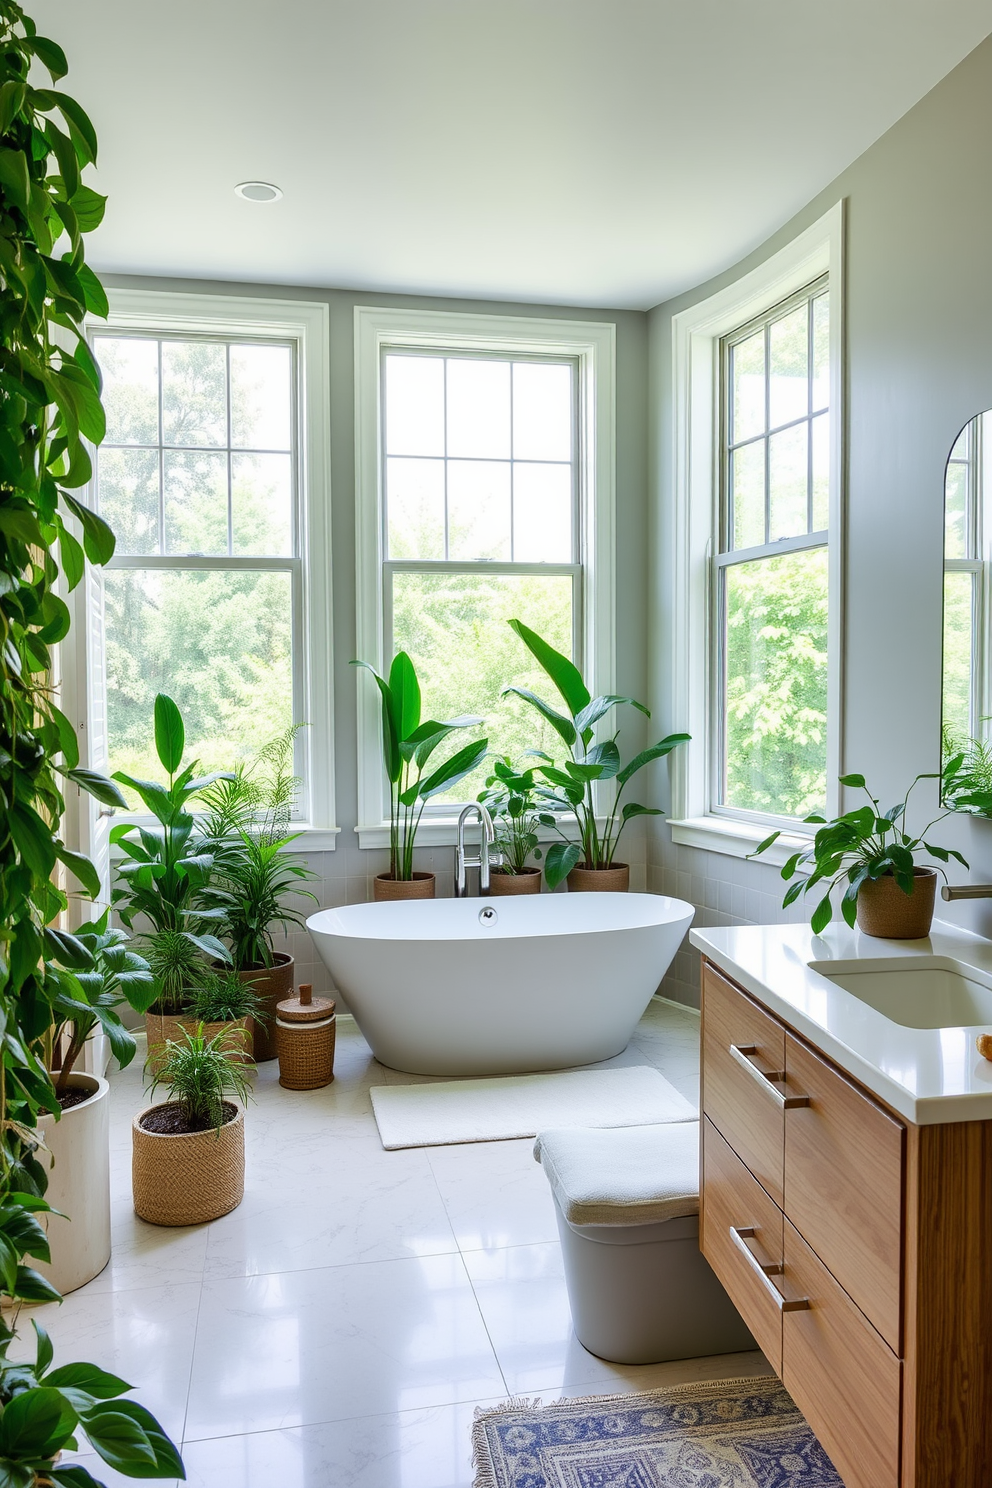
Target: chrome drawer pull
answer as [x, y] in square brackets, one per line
[742, 1053]
[765, 1271]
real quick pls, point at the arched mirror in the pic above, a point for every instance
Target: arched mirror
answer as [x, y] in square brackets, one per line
[966, 711]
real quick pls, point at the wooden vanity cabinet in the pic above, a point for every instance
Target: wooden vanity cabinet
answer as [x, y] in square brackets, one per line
[856, 1245]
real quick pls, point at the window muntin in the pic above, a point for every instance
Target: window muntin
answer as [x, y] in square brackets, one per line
[199, 478]
[771, 571]
[479, 482]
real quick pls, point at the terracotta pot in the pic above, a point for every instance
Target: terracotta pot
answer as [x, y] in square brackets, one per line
[526, 881]
[273, 984]
[886, 911]
[159, 1029]
[187, 1178]
[78, 1186]
[237, 1036]
[615, 880]
[420, 886]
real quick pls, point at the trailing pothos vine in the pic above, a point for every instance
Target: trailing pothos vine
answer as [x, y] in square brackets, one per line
[49, 408]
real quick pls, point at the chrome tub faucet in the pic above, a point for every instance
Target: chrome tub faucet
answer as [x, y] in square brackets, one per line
[482, 862]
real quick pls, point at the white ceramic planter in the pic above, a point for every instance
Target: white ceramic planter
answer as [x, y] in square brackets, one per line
[79, 1186]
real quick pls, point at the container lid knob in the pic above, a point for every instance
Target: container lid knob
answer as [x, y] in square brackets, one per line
[306, 994]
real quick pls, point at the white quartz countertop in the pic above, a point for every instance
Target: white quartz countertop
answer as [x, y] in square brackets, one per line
[928, 1075]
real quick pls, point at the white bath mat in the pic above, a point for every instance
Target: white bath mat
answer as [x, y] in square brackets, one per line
[498, 1109]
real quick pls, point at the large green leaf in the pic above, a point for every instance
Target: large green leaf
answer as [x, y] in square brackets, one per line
[405, 692]
[170, 736]
[600, 706]
[36, 1423]
[563, 672]
[453, 770]
[656, 751]
[562, 726]
[104, 1427]
[81, 867]
[51, 54]
[561, 858]
[98, 786]
[391, 757]
[32, 838]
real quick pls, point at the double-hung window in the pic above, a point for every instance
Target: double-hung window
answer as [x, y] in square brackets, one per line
[480, 500]
[770, 582]
[755, 541]
[213, 476]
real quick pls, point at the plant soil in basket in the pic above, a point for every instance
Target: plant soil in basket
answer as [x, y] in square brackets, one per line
[168, 1120]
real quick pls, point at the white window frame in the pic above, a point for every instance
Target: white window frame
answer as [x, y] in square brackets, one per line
[696, 454]
[592, 345]
[978, 564]
[305, 324]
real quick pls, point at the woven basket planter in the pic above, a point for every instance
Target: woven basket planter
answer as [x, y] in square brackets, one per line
[272, 984]
[160, 1029]
[884, 910]
[237, 1036]
[524, 881]
[305, 1031]
[190, 1177]
[615, 880]
[420, 886]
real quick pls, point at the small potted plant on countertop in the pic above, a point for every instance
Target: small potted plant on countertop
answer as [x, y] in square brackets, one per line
[407, 745]
[887, 893]
[590, 863]
[247, 830]
[511, 796]
[188, 1153]
[79, 1142]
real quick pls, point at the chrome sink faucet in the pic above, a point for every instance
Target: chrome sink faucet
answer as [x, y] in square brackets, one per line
[482, 861]
[966, 891]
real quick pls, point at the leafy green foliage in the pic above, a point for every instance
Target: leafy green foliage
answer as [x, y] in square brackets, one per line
[90, 997]
[407, 745]
[855, 848]
[199, 1076]
[247, 830]
[967, 774]
[571, 788]
[222, 997]
[511, 794]
[49, 405]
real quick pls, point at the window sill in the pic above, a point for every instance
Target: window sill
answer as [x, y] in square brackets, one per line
[737, 839]
[310, 839]
[443, 832]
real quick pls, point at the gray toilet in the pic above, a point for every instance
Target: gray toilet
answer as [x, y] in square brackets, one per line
[627, 1204]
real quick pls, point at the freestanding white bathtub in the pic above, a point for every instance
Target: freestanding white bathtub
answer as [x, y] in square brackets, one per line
[501, 986]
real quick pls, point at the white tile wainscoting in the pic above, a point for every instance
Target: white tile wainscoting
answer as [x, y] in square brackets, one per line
[340, 1327]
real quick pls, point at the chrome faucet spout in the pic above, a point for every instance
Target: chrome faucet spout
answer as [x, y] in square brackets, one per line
[966, 891]
[462, 861]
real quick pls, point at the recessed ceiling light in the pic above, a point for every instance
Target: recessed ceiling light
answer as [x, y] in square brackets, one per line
[257, 191]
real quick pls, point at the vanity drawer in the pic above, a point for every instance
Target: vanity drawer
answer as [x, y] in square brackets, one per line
[844, 1185]
[741, 1047]
[840, 1373]
[740, 1235]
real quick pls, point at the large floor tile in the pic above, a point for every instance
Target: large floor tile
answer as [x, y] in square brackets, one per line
[310, 1346]
[145, 1336]
[413, 1449]
[144, 1255]
[495, 1194]
[362, 1204]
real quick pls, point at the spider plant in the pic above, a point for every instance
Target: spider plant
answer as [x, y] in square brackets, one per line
[222, 997]
[199, 1078]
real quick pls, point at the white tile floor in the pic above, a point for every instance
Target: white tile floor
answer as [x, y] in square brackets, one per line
[340, 1327]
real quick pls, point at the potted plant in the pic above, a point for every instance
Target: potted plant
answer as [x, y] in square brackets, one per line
[247, 831]
[164, 882]
[887, 892]
[589, 863]
[188, 1153]
[966, 776]
[78, 1143]
[50, 407]
[407, 745]
[511, 796]
[224, 1006]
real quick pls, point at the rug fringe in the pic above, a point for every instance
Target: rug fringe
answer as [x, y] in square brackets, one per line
[482, 1462]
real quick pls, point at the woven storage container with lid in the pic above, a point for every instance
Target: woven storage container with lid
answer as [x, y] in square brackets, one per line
[305, 1040]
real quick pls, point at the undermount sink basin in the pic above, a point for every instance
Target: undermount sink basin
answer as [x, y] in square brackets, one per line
[917, 991]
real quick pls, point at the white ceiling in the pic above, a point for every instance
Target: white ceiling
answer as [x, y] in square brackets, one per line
[588, 152]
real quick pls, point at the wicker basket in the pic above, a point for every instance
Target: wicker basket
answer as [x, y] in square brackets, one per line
[190, 1177]
[386, 887]
[305, 1038]
[612, 880]
[160, 1028]
[272, 983]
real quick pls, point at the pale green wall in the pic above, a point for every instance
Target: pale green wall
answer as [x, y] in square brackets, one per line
[919, 365]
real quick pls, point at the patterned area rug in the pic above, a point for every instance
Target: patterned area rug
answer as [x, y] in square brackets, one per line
[726, 1434]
